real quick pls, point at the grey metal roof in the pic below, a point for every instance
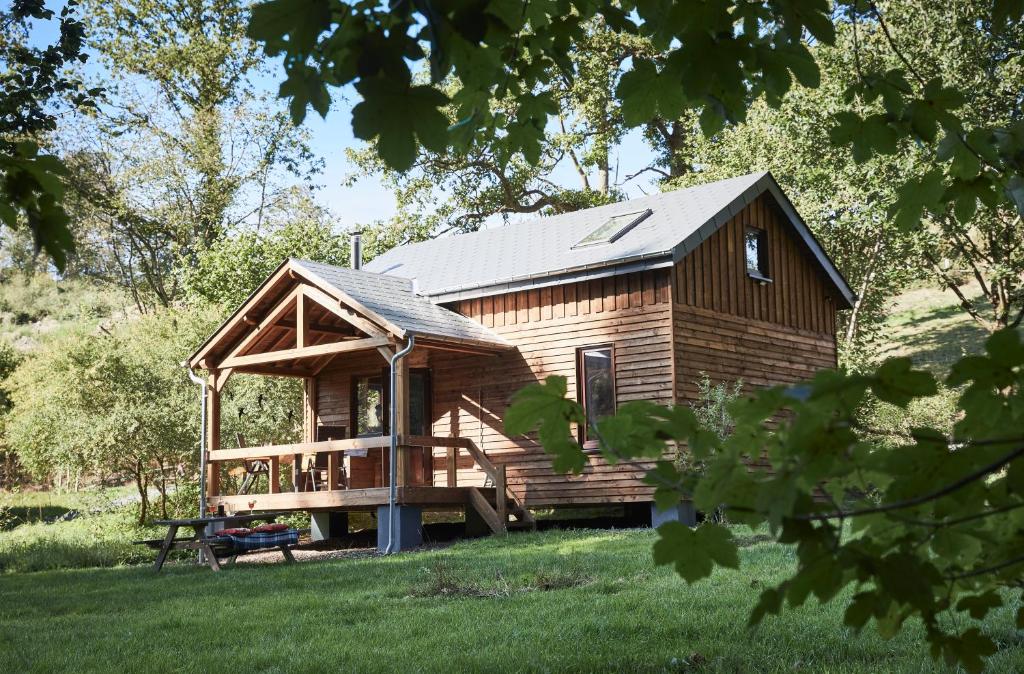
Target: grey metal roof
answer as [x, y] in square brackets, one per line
[541, 252]
[393, 299]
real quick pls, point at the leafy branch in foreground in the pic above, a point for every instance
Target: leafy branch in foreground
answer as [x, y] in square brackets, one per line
[927, 526]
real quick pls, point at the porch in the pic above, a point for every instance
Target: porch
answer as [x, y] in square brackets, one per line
[350, 336]
[333, 494]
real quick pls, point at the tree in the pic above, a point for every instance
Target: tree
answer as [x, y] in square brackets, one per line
[926, 524]
[33, 85]
[458, 189]
[230, 269]
[184, 149]
[118, 403]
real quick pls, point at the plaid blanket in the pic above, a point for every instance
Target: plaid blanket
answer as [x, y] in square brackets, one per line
[258, 541]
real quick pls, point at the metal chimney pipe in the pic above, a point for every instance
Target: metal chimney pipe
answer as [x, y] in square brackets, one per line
[356, 247]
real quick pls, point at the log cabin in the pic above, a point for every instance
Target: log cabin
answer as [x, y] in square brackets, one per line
[423, 347]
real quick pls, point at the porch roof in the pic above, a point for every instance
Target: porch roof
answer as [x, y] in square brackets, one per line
[350, 308]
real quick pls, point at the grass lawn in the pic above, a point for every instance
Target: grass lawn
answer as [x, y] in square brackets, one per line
[552, 601]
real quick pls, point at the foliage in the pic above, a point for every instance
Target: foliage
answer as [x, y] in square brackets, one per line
[928, 526]
[454, 189]
[183, 149]
[231, 268]
[33, 81]
[711, 409]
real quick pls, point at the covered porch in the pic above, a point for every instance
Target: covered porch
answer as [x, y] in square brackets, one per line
[309, 320]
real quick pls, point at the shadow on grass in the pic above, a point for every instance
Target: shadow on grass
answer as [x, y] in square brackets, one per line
[18, 515]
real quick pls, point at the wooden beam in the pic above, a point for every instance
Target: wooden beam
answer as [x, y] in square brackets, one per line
[348, 445]
[401, 420]
[240, 315]
[343, 330]
[277, 312]
[306, 352]
[271, 371]
[275, 475]
[225, 374]
[301, 320]
[334, 306]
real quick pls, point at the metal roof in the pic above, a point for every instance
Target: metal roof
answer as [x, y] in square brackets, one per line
[541, 252]
[393, 299]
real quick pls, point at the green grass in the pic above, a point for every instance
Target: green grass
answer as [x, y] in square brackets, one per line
[101, 535]
[927, 324]
[476, 606]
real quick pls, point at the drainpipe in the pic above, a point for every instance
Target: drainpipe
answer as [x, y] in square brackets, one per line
[202, 437]
[393, 490]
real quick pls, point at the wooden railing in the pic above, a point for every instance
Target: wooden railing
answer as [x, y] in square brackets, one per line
[336, 448]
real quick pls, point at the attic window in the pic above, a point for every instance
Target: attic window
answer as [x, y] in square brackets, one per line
[613, 229]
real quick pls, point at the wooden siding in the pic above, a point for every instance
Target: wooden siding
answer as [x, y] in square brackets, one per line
[714, 275]
[632, 312]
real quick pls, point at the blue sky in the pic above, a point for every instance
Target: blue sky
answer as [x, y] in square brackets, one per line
[368, 201]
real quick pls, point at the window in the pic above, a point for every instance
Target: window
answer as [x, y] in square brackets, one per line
[371, 404]
[756, 247]
[613, 229]
[370, 412]
[596, 376]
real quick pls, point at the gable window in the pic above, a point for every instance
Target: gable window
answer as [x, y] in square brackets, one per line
[595, 374]
[756, 249]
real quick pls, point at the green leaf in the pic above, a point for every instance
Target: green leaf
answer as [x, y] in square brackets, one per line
[638, 91]
[896, 382]
[301, 20]
[1006, 12]
[545, 407]
[694, 552]
[915, 197]
[398, 114]
[978, 606]
[1005, 347]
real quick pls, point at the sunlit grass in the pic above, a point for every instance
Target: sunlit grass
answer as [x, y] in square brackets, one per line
[608, 608]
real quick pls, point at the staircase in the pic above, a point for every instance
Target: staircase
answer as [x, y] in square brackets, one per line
[506, 504]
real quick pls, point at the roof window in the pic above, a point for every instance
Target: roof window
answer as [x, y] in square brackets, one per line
[613, 229]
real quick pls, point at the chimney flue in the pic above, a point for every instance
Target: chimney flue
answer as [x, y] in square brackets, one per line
[357, 250]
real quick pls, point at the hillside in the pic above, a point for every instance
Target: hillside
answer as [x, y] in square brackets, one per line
[927, 324]
[36, 308]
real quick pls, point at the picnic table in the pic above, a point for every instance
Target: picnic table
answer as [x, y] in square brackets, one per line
[208, 545]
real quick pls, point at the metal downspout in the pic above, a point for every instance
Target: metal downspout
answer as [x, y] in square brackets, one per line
[393, 468]
[202, 437]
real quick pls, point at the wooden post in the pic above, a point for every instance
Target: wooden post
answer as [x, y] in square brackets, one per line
[404, 467]
[301, 322]
[500, 495]
[453, 466]
[275, 475]
[212, 434]
[333, 470]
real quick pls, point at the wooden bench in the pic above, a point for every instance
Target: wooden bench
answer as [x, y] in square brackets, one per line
[210, 546]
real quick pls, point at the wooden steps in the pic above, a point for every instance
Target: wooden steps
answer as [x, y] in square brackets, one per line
[496, 516]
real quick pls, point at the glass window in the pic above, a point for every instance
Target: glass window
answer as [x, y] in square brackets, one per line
[369, 408]
[757, 252]
[371, 404]
[613, 228]
[596, 376]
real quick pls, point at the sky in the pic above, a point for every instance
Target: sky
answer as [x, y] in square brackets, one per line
[368, 201]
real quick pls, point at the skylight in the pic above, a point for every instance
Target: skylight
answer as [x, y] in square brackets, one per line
[613, 229]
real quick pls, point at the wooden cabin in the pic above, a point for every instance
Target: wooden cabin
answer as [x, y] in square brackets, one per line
[629, 301]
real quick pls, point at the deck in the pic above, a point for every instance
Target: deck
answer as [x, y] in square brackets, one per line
[495, 504]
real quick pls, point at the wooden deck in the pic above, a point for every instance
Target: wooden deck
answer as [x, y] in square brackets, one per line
[494, 504]
[436, 498]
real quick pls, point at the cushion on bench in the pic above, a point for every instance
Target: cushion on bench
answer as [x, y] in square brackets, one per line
[258, 541]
